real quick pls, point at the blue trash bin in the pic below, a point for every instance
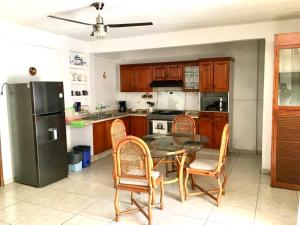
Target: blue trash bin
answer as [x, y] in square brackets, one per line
[86, 154]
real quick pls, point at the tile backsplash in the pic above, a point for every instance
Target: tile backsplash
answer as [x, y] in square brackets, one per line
[178, 100]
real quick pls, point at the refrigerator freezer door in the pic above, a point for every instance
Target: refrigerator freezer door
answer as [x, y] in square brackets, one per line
[51, 148]
[47, 97]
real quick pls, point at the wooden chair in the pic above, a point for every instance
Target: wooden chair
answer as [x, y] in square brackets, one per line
[117, 133]
[182, 124]
[134, 172]
[211, 168]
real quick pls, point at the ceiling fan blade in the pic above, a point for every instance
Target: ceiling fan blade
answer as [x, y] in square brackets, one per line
[129, 24]
[73, 21]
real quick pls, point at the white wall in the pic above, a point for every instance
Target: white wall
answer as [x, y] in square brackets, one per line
[264, 30]
[105, 88]
[260, 93]
[21, 48]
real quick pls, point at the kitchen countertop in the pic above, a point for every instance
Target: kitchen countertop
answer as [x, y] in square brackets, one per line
[114, 116]
[193, 114]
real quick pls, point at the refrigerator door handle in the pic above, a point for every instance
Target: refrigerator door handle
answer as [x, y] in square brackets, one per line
[52, 134]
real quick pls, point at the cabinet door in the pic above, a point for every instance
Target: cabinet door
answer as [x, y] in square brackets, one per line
[175, 72]
[159, 73]
[206, 76]
[99, 137]
[221, 76]
[127, 123]
[108, 144]
[205, 127]
[197, 125]
[139, 126]
[220, 119]
[144, 78]
[127, 79]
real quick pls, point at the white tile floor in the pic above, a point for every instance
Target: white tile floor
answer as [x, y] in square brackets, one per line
[86, 198]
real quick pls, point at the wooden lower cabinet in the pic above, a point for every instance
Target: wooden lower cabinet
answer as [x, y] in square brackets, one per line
[108, 144]
[220, 119]
[127, 122]
[139, 126]
[99, 137]
[206, 127]
[211, 125]
[197, 125]
[135, 125]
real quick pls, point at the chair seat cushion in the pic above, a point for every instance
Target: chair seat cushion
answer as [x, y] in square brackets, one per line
[204, 164]
[132, 181]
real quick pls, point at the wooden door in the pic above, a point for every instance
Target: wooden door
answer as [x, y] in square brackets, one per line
[206, 127]
[127, 123]
[99, 137]
[159, 72]
[108, 144]
[206, 76]
[139, 126]
[285, 167]
[220, 119]
[286, 161]
[144, 78]
[127, 79]
[221, 76]
[175, 72]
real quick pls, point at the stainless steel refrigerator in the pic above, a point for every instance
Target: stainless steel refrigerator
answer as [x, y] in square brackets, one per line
[38, 132]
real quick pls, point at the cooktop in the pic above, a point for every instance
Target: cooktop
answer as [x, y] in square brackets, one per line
[167, 112]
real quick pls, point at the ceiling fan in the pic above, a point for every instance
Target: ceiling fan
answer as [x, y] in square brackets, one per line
[99, 28]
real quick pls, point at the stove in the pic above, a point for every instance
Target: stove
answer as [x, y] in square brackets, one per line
[160, 121]
[164, 114]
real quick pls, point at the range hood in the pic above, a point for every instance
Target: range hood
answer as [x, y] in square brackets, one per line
[166, 83]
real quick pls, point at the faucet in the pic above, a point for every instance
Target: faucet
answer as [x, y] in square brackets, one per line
[99, 113]
[101, 107]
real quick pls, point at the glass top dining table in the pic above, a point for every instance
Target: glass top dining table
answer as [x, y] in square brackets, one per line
[170, 144]
[174, 148]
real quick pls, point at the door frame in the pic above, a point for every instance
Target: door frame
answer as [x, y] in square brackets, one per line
[1, 167]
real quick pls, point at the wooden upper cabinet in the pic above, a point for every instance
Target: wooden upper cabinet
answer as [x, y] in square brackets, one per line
[167, 72]
[136, 78]
[127, 79]
[159, 73]
[214, 75]
[221, 76]
[206, 76]
[144, 78]
[175, 72]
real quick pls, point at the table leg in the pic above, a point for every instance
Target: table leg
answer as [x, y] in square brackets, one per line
[180, 176]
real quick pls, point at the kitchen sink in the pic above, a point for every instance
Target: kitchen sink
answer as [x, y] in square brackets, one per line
[97, 117]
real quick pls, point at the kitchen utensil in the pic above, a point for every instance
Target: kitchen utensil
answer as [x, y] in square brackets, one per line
[77, 106]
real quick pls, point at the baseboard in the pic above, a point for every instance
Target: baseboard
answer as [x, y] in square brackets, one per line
[265, 171]
[244, 151]
[101, 155]
[8, 181]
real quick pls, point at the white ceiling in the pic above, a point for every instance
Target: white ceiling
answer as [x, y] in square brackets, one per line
[167, 15]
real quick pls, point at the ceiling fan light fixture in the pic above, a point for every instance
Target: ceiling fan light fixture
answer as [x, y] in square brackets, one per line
[99, 31]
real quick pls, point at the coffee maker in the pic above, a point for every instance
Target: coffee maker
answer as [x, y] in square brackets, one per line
[122, 106]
